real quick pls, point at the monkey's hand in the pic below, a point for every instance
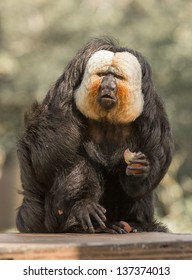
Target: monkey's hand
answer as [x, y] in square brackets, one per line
[85, 211]
[137, 165]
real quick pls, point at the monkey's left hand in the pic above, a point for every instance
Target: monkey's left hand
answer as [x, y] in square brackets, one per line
[138, 165]
[86, 210]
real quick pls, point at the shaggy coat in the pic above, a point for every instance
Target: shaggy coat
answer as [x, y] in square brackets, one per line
[73, 172]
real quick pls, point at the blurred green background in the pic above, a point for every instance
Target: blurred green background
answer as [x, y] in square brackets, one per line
[39, 37]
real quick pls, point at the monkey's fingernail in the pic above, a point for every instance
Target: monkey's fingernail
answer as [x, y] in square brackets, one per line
[103, 226]
[92, 230]
[104, 210]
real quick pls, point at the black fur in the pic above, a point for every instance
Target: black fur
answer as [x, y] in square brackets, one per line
[62, 169]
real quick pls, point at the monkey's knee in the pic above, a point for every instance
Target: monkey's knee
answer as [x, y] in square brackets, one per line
[20, 224]
[30, 219]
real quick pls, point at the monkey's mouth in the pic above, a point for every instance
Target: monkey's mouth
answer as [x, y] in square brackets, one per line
[107, 101]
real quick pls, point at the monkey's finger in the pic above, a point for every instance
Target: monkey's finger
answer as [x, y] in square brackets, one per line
[101, 208]
[81, 219]
[139, 161]
[89, 223]
[140, 155]
[137, 171]
[119, 229]
[129, 172]
[100, 213]
[98, 219]
[83, 224]
[115, 229]
[136, 174]
[141, 168]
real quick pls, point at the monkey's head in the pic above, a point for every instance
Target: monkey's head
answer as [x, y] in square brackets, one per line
[107, 82]
[111, 88]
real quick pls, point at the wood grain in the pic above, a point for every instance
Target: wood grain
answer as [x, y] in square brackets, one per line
[96, 246]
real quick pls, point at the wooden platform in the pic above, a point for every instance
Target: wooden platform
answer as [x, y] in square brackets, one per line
[96, 246]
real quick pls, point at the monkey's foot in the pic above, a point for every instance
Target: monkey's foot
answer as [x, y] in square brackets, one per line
[116, 228]
[138, 165]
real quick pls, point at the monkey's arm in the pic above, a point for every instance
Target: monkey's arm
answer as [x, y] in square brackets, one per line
[77, 194]
[146, 170]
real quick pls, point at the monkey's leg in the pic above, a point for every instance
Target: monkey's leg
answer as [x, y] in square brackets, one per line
[134, 215]
[30, 216]
[52, 217]
[36, 214]
[139, 214]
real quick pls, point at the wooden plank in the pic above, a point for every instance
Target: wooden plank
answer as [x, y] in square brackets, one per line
[96, 246]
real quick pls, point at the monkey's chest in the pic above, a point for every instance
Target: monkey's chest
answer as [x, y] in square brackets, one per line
[103, 133]
[106, 143]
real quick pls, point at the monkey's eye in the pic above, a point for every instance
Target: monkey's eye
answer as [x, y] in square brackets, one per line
[119, 77]
[101, 74]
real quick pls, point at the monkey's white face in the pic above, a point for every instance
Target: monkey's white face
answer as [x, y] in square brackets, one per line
[125, 70]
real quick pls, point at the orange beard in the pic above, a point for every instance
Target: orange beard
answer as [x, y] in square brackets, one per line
[123, 112]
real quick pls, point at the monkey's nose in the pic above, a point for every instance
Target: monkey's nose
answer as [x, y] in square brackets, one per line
[107, 97]
[108, 83]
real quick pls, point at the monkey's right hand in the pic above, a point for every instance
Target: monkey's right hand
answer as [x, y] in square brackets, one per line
[137, 164]
[86, 210]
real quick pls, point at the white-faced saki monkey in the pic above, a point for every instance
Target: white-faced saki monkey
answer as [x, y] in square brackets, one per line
[96, 147]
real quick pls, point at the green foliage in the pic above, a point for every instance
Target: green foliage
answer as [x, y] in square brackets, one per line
[38, 38]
